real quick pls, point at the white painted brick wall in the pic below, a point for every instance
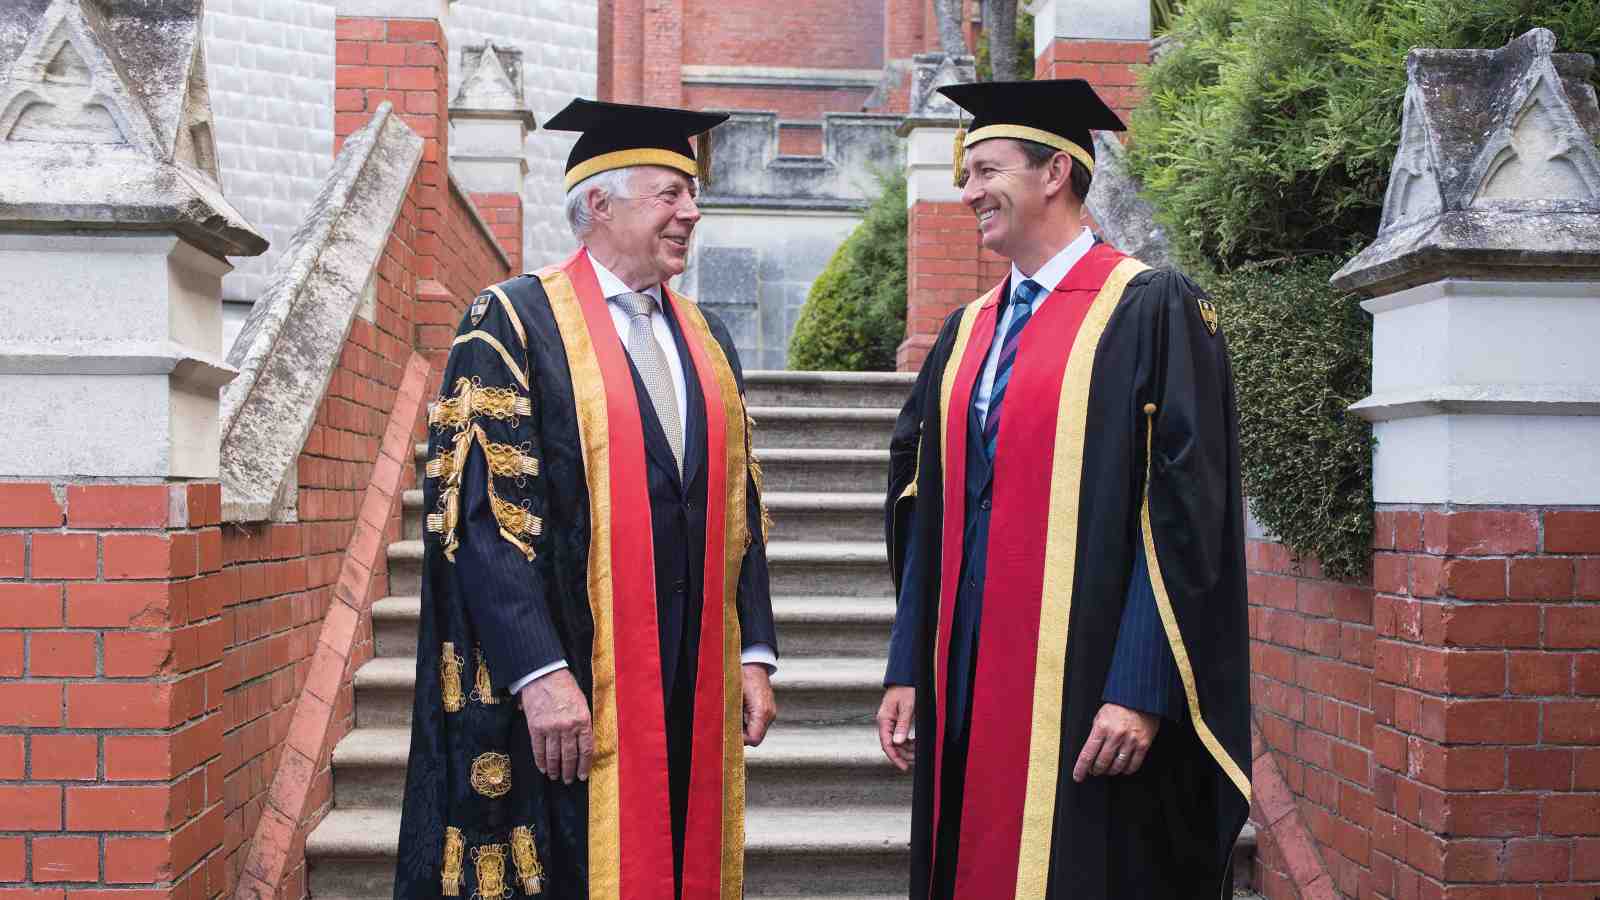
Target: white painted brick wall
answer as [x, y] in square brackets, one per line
[271, 70]
[559, 44]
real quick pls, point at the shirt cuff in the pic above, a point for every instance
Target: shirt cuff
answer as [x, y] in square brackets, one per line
[537, 674]
[760, 653]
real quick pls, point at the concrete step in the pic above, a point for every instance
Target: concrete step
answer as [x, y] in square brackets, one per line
[828, 690]
[834, 568]
[820, 690]
[405, 566]
[811, 470]
[822, 854]
[796, 767]
[818, 516]
[854, 428]
[807, 626]
[885, 390]
[411, 515]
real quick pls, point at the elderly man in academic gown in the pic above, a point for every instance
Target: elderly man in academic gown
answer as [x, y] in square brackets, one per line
[1069, 668]
[597, 631]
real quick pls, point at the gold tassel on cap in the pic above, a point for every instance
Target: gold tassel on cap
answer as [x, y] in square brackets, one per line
[702, 158]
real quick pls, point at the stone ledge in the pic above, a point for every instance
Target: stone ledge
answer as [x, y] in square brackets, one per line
[1481, 399]
[288, 348]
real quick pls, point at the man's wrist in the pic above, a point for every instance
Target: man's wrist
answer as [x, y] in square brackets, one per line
[536, 674]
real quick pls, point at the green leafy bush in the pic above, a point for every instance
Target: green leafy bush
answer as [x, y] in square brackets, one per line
[1271, 125]
[1302, 353]
[854, 318]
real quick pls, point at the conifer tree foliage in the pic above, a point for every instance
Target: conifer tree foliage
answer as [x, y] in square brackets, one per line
[854, 317]
[1265, 144]
[1271, 125]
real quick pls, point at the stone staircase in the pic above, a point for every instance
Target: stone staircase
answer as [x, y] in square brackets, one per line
[827, 816]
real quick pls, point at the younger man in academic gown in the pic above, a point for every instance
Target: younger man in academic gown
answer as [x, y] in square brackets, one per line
[595, 587]
[1070, 648]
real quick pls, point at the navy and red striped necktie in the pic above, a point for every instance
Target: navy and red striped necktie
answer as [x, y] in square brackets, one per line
[1022, 310]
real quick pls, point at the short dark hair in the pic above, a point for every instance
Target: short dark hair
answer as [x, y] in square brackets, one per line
[1039, 154]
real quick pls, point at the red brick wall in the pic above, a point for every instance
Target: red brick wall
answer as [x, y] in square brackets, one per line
[1111, 66]
[820, 34]
[945, 268]
[111, 688]
[1487, 700]
[503, 213]
[1440, 734]
[1311, 656]
[160, 671]
[787, 102]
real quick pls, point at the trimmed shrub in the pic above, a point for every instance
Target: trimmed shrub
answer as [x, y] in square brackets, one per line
[1302, 353]
[1271, 125]
[854, 317]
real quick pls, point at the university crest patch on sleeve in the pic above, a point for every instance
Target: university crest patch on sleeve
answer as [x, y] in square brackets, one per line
[480, 305]
[1208, 313]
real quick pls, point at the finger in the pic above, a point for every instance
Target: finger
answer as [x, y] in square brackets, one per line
[886, 738]
[1137, 760]
[1107, 755]
[569, 756]
[1119, 763]
[536, 739]
[902, 722]
[552, 755]
[585, 752]
[908, 750]
[1091, 748]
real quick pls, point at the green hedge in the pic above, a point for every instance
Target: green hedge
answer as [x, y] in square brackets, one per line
[1302, 353]
[854, 318]
[1271, 125]
[1265, 146]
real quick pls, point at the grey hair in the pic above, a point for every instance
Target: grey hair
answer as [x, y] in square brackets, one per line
[612, 182]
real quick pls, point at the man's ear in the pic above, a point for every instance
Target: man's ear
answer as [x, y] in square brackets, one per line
[599, 205]
[1057, 175]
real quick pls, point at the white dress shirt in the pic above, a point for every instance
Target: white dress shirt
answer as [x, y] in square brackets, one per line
[1048, 276]
[612, 286]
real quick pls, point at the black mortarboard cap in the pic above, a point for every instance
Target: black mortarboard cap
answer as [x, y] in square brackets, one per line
[1058, 113]
[617, 135]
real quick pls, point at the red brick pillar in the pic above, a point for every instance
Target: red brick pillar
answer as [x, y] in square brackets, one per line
[1103, 43]
[1487, 700]
[111, 687]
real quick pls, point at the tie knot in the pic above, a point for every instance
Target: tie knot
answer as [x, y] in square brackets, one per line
[636, 304]
[1027, 292]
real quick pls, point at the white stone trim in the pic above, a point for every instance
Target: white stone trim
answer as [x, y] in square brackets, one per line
[289, 347]
[930, 160]
[781, 76]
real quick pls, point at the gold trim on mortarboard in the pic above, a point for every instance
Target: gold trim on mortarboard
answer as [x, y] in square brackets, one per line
[1038, 136]
[621, 159]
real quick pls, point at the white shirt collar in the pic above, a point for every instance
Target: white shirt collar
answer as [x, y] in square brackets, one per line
[1051, 273]
[611, 285]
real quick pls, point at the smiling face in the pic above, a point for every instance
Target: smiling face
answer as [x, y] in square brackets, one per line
[1007, 194]
[649, 230]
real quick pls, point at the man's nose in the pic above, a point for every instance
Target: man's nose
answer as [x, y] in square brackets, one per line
[970, 193]
[688, 210]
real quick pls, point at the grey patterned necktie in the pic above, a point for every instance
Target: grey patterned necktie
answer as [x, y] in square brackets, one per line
[651, 362]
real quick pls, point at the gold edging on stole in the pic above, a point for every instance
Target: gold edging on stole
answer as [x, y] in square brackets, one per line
[511, 314]
[735, 531]
[526, 855]
[505, 355]
[491, 775]
[1055, 602]
[589, 397]
[489, 861]
[450, 870]
[947, 387]
[1169, 622]
[450, 678]
[756, 475]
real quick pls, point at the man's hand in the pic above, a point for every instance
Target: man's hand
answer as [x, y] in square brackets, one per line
[759, 706]
[1117, 743]
[896, 716]
[558, 726]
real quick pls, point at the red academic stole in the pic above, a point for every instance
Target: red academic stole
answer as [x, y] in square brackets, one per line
[1008, 810]
[630, 835]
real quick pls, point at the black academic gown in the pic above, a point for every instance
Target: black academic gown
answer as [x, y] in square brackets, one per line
[1167, 831]
[524, 614]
